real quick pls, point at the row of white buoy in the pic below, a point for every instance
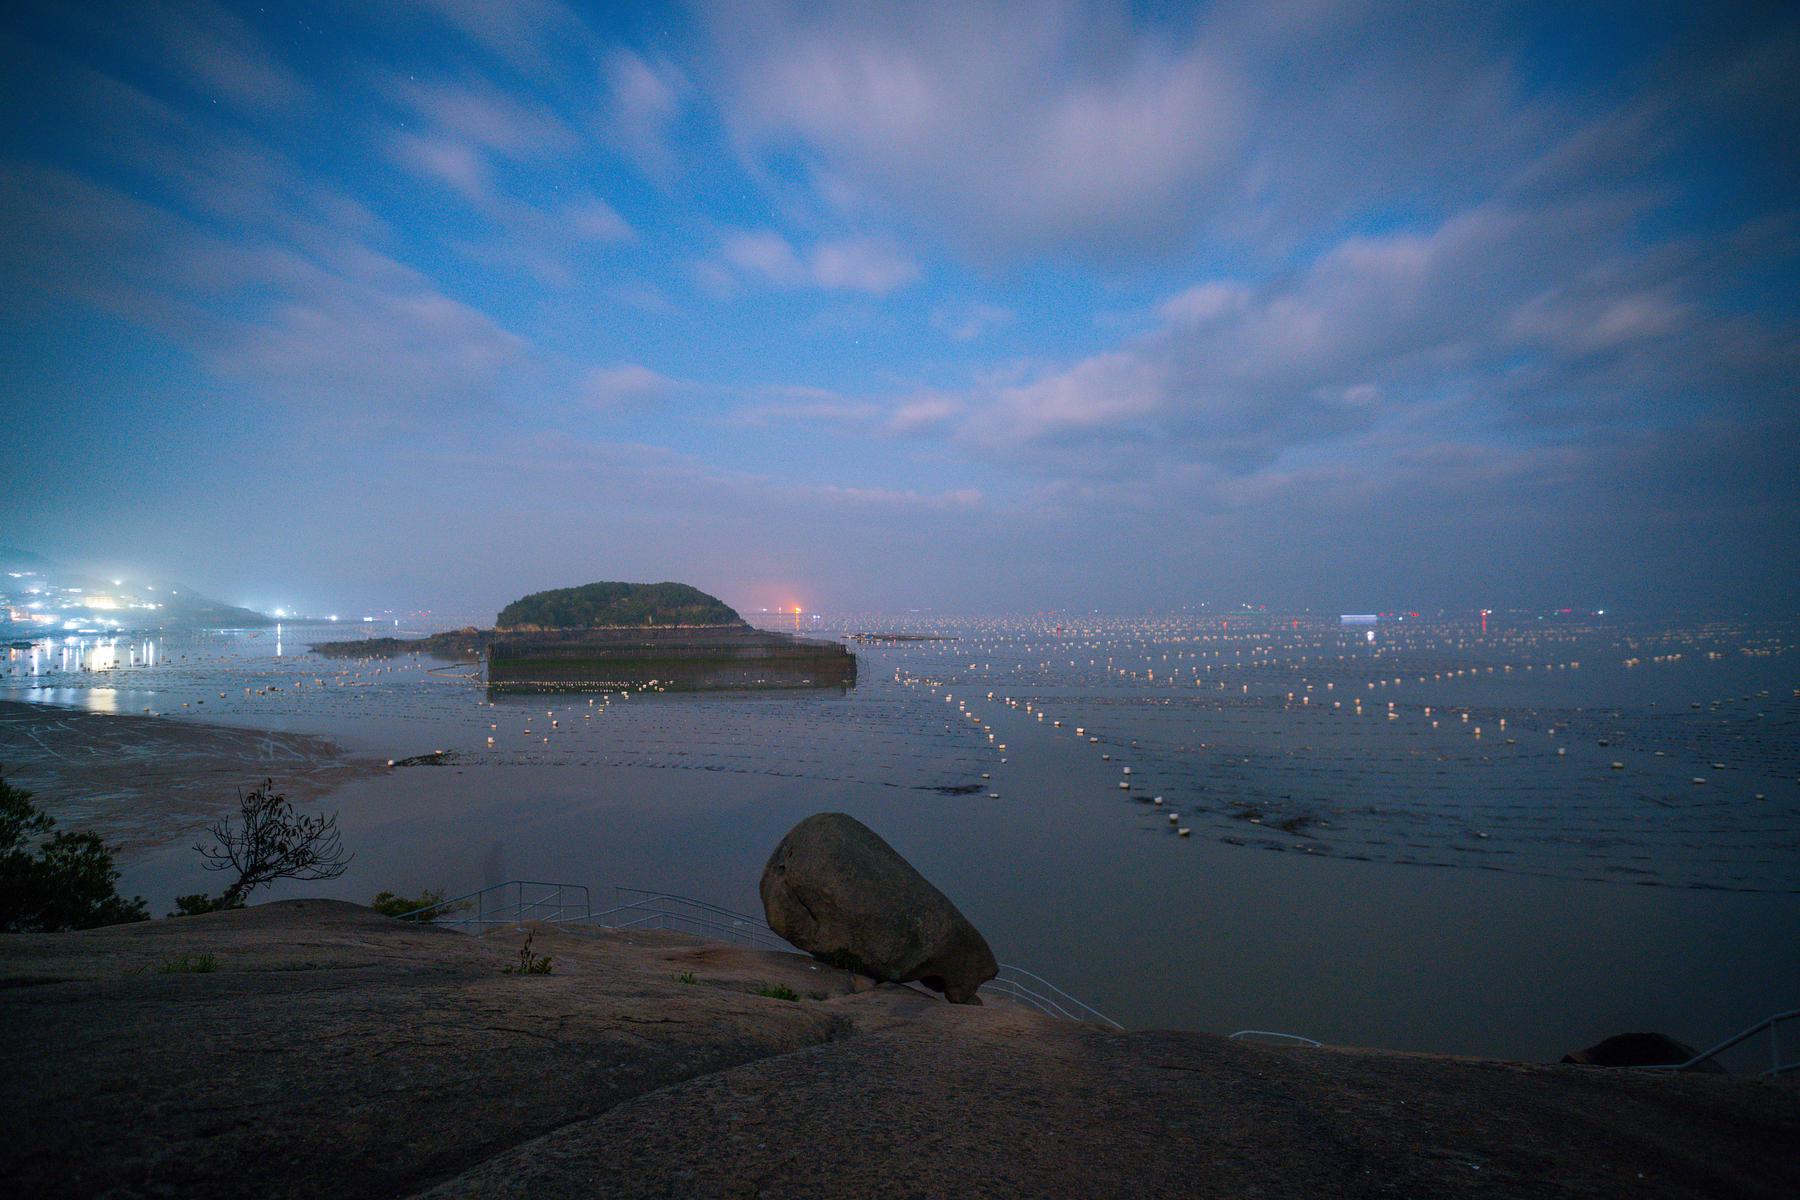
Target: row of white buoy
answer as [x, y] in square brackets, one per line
[1391, 709]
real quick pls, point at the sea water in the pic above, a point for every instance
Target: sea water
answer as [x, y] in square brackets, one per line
[1385, 845]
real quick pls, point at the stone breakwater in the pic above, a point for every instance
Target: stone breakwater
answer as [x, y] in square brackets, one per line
[676, 658]
[333, 1051]
[670, 657]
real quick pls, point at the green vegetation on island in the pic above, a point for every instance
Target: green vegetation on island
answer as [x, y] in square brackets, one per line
[612, 604]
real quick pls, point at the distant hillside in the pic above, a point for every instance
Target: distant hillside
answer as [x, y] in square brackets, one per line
[596, 605]
[38, 596]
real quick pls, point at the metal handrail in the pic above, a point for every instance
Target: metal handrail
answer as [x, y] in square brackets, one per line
[1062, 1005]
[1776, 1066]
[647, 895]
[658, 918]
[553, 899]
[1272, 1033]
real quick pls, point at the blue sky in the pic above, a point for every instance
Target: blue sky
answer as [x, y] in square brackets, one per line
[959, 306]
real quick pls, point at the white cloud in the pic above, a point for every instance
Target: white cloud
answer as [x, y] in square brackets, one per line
[545, 242]
[1499, 317]
[483, 115]
[1586, 319]
[796, 405]
[452, 163]
[329, 324]
[967, 322]
[643, 101]
[594, 220]
[855, 264]
[924, 414]
[214, 51]
[767, 254]
[1204, 302]
[861, 265]
[625, 384]
[1015, 125]
[529, 34]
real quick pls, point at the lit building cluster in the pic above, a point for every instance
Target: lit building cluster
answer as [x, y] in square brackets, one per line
[35, 603]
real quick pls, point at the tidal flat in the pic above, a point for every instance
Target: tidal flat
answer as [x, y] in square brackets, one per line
[1385, 847]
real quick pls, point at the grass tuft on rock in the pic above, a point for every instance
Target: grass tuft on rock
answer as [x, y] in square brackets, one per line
[190, 964]
[529, 963]
[776, 991]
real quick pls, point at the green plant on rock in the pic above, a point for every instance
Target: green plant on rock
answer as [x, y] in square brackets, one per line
[199, 902]
[189, 964]
[391, 904]
[529, 963]
[777, 991]
[63, 881]
[686, 977]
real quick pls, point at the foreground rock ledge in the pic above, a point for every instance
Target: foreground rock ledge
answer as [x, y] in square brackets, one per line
[335, 1052]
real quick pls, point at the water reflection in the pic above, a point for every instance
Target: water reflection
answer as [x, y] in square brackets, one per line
[93, 699]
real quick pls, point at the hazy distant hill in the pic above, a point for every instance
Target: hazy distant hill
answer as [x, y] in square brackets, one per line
[598, 605]
[33, 587]
[14, 559]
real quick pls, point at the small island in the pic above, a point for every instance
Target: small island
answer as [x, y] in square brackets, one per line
[616, 606]
[668, 636]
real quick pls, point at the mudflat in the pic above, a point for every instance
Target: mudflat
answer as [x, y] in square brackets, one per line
[333, 1051]
[141, 782]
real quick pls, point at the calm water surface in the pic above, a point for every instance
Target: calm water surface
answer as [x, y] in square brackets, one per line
[1386, 846]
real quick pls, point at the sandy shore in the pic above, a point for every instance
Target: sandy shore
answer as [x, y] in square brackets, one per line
[146, 782]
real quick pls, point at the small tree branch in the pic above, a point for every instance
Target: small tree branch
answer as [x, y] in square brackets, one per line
[270, 841]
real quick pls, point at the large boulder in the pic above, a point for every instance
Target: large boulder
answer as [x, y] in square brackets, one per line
[837, 891]
[1638, 1050]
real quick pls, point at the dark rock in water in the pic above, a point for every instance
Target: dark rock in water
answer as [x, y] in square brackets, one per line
[1639, 1050]
[837, 891]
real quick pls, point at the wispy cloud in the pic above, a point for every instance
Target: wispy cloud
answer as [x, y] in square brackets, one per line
[867, 265]
[643, 101]
[626, 384]
[478, 113]
[530, 35]
[966, 322]
[1014, 126]
[1329, 278]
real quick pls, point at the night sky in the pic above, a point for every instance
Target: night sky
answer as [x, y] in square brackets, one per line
[961, 307]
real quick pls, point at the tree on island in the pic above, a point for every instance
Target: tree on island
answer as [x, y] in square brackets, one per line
[65, 881]
[600, 605]
[267, 841]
